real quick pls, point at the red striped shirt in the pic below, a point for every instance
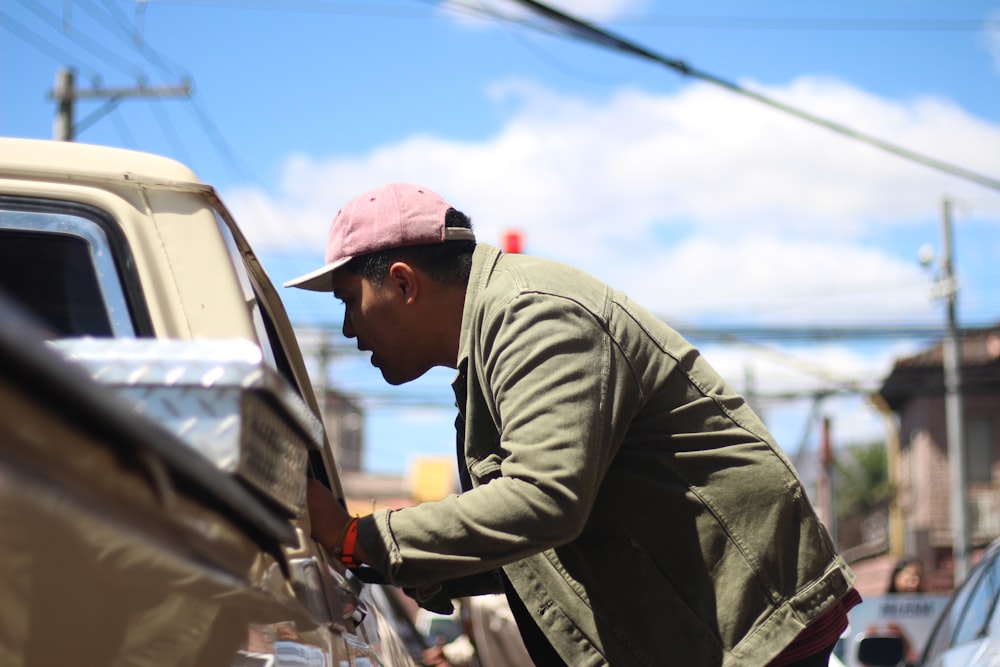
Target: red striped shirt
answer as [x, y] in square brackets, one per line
[819, 634]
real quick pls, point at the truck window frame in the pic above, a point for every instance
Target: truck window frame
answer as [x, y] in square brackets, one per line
[113, 263]
[274, 354]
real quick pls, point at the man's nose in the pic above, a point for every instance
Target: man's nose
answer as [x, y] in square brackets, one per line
[348, 326]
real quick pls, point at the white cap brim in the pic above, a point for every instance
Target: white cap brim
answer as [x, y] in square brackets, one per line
[319, 280]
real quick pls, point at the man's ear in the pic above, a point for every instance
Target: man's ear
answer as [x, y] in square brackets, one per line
[403, 278]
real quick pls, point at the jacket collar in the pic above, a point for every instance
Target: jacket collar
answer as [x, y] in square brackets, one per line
[484, 259]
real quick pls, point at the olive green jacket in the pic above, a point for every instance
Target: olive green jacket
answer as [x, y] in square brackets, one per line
[638, 506]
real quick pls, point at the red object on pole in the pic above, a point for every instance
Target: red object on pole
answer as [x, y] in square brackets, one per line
[513, 242]
[826, 447]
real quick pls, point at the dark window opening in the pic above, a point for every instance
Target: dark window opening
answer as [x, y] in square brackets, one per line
[53, 277]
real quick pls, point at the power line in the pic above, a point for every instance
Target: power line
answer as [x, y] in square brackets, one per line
[479, 8]
[170, 131]
[816, 24]
[315, 337]
[737, 332]
[315, 7]
[578, 29]
[150, 55]
[91, 45]
[44, 45]
[114, 12]
[134, 40]
[810, 333]
[123, 130]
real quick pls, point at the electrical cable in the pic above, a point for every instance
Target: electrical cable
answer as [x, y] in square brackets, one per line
[42, 44]
[135, 41]
[579, 29]
[94, 47]
[173, 136]
[814, 24]
[123, 130]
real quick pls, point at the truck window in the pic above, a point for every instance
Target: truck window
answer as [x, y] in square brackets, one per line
[57, 263]
[272, 352]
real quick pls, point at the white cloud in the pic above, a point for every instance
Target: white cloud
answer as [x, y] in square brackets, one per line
[730, 162]
[767, 277]
[786, 388]
[695, 202]
[702, 206]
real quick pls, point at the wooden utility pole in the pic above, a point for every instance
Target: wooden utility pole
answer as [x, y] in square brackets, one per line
[66, 94]
[825, 483]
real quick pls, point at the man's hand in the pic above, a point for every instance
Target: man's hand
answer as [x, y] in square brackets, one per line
[327, 517]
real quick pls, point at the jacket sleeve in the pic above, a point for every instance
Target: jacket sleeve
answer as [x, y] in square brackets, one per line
[438, 597]
[562, 396]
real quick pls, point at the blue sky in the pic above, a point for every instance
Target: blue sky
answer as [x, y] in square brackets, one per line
[709, 208]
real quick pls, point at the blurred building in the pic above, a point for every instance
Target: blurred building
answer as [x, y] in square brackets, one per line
[914, 391]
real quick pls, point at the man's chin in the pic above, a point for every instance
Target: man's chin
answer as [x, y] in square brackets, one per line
[396, 379]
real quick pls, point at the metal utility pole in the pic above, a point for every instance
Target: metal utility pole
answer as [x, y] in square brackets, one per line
[825, 484]
[953, 407]
[66, 94]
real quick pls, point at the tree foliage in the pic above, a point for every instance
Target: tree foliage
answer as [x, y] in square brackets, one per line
[862, 480]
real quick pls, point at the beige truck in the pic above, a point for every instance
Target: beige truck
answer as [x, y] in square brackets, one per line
[157, 427]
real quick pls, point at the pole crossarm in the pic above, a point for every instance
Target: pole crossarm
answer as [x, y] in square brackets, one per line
[181, 90]
[66, 94]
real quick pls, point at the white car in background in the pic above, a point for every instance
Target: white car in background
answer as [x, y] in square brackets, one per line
[967, 633]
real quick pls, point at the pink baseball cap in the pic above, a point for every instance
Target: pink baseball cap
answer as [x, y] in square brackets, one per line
[389, 216]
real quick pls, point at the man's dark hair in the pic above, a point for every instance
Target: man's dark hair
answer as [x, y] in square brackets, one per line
[448, 262]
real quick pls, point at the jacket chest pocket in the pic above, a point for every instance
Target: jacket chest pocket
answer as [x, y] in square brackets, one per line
[485, 469]
[481, 451]
[483, 454]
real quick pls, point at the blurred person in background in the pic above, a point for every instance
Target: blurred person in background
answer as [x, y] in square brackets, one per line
[490, 638]
[907, 577]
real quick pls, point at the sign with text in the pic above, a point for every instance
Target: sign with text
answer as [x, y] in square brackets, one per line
[910, 617]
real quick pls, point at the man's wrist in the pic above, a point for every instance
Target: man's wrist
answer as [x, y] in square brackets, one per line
[337, 544]
[346, 550]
